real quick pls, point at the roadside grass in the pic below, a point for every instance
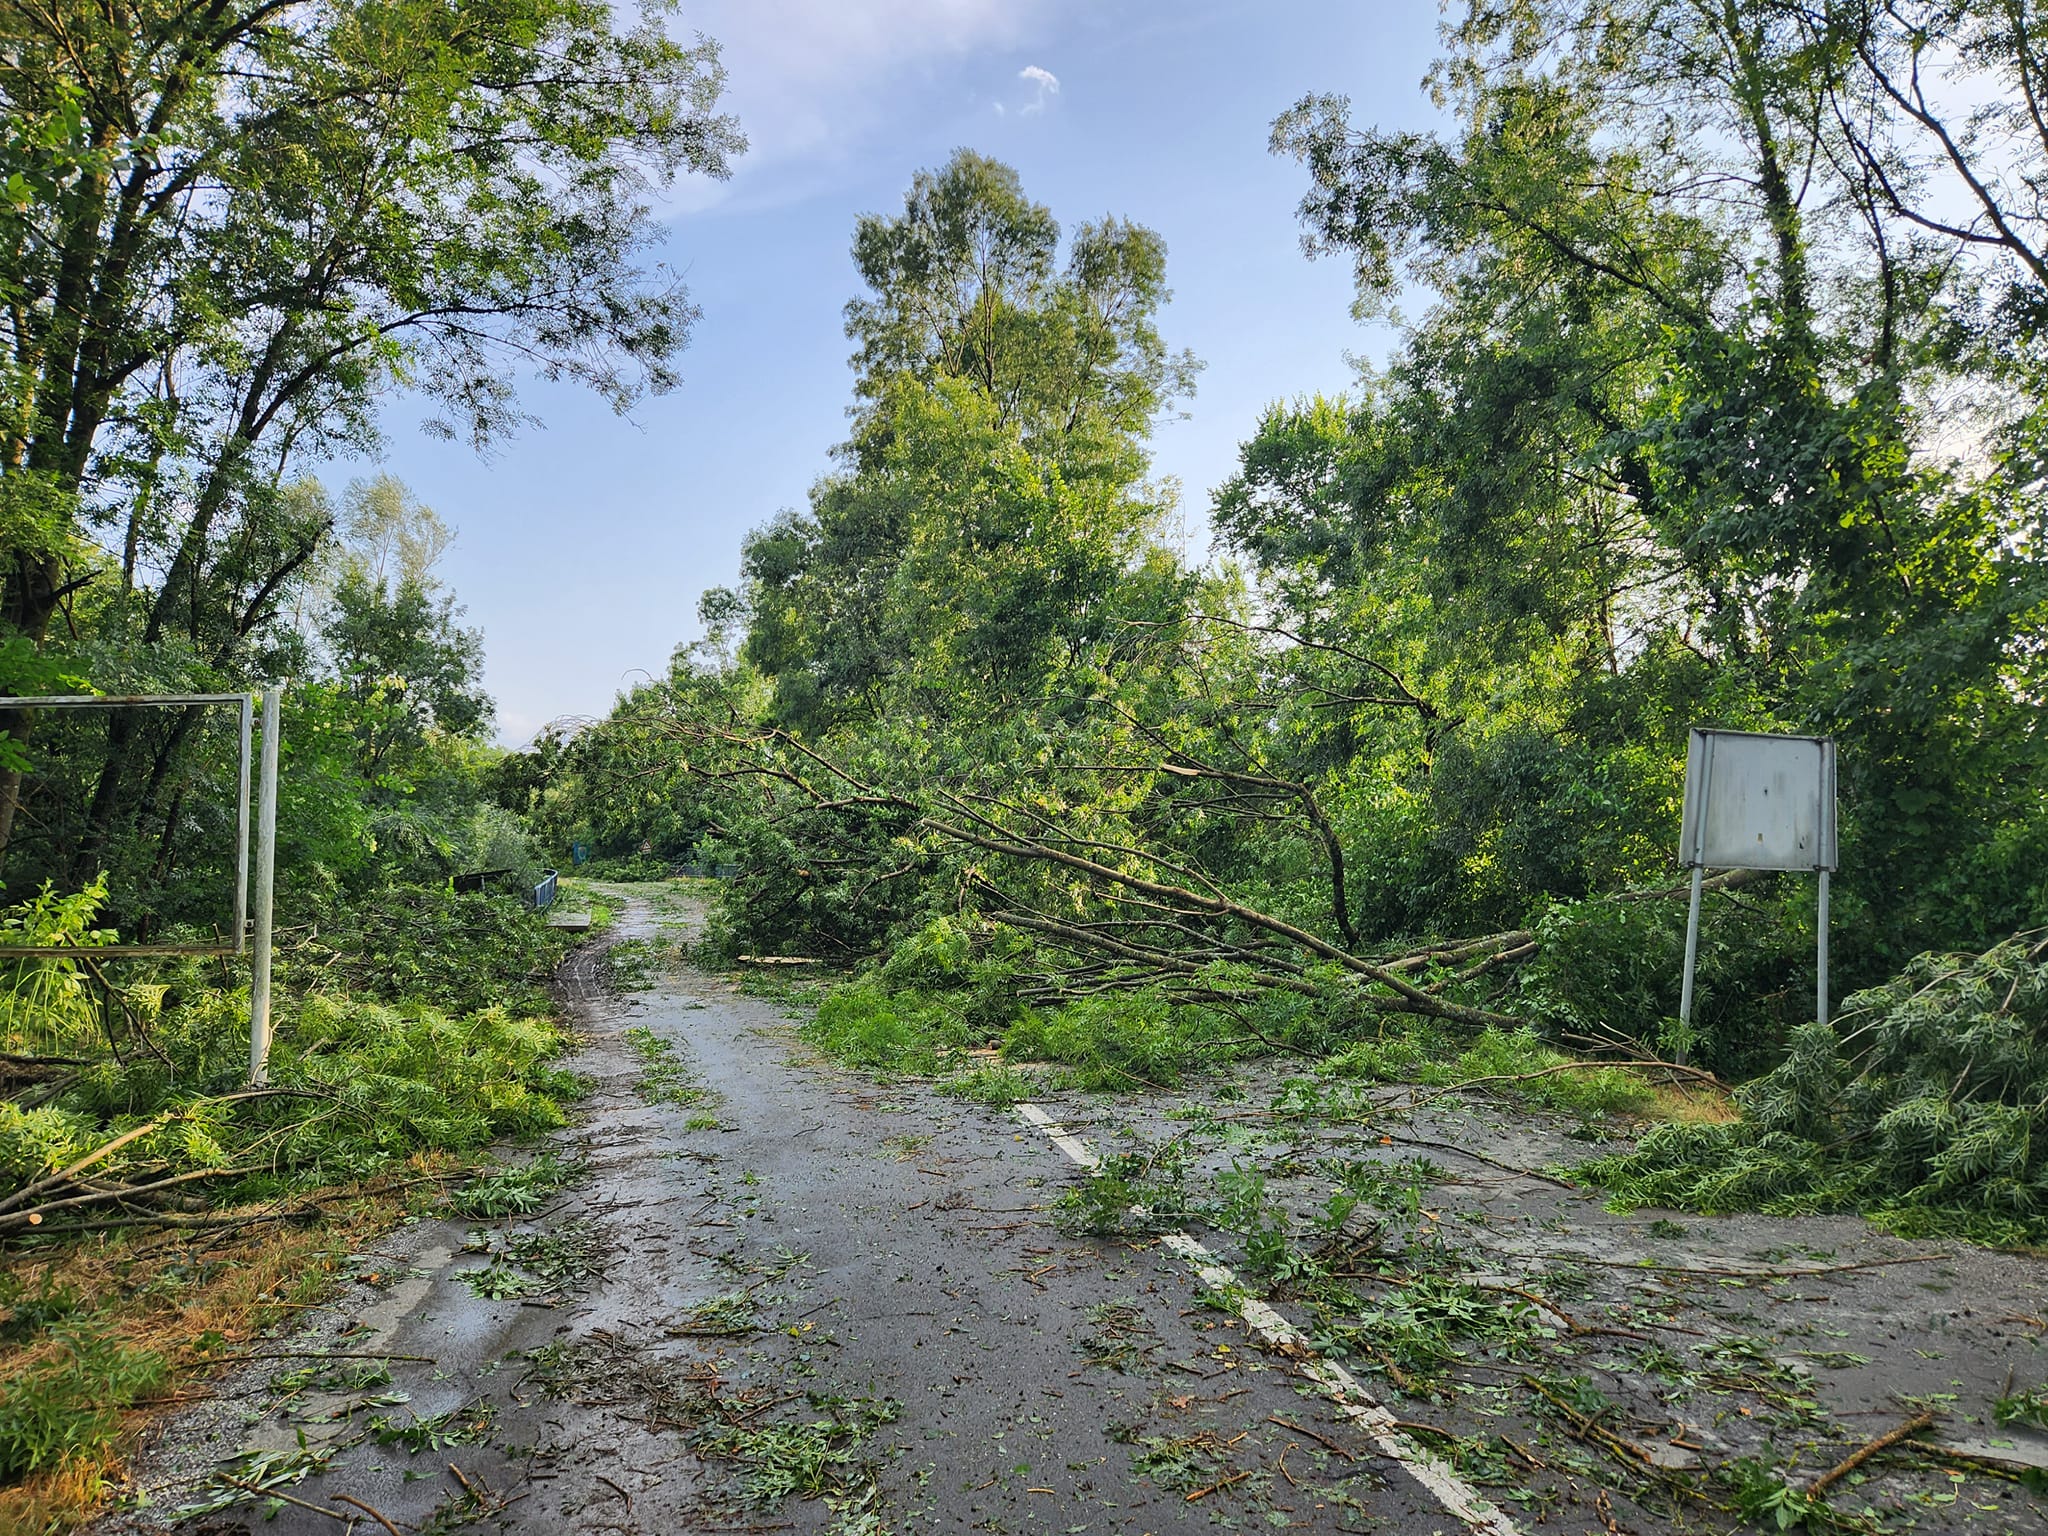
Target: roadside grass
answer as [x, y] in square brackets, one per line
[999, 1087]
[1140, 1042]
[1516, 1064]
[161, 1317]
[935, 1004]
[603, 905]
[156, 1213]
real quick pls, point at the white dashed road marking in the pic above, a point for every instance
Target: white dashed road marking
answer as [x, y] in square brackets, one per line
[1287, 1341]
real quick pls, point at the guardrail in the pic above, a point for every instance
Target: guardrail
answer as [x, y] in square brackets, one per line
[544, 893]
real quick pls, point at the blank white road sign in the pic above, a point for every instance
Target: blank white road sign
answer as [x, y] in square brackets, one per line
[1758, 802]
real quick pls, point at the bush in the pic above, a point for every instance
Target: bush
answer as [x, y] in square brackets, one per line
[805, 887]
[1925, 1106]
[1610, 969]
[426, 944]
[867, 1027]
[67, 1397]
[1421, 1051]
[1121, 1040]
[997, 1087]
[625, 867]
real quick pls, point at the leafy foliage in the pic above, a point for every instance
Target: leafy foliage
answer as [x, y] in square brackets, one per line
[68, 1395]
[1669, 439]
[1923, 1105]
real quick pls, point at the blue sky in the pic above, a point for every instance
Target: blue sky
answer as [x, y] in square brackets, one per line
[583, 545]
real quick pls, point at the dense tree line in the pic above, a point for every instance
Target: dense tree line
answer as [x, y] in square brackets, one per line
[231, 235]
[1719, 401]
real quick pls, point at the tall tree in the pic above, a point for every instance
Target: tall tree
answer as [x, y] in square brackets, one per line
[990, 500]
[231, 226]
[966, 283]
[1671, 438]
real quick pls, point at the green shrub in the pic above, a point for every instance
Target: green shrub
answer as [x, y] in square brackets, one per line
[68, 1399]
[1609, 969]
[49, 1006]
[1121, 1040]
[1925, 1105]
[1422, 1051]
[866, 1027]
[997, 1087]
[1397, 1054]
[426, 944]
[1566, 1082]
[938, 957]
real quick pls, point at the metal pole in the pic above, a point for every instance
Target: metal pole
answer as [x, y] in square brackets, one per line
[266, 872]
[1692, 954]
[1822, 1002]
[242, 831]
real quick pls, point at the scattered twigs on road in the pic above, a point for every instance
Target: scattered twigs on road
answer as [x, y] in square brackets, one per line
[1884, 1442]
[273, 1493]
[1591, 1430]
[350, 1499]
[1321, 1439]
[1479, 1157]
[1203, 1493]
[615, 1488]
[327, 1354]
[1977, 1461]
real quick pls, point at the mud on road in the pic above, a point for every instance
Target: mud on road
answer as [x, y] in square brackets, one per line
[748, 1291]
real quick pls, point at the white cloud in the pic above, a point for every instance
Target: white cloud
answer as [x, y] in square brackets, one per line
[1048, 85]
[813, 81]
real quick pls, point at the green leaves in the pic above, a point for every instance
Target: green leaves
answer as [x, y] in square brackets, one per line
[965, 285]
[328, 202]
[1923, 1105]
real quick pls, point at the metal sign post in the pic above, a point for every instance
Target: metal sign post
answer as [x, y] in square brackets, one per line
[266, 873]
[242, 829]
[1756, 802]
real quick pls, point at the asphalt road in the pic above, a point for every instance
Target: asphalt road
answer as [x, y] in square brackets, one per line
[783, 1297]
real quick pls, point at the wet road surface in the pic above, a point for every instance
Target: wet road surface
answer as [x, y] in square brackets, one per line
[783, 1297]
